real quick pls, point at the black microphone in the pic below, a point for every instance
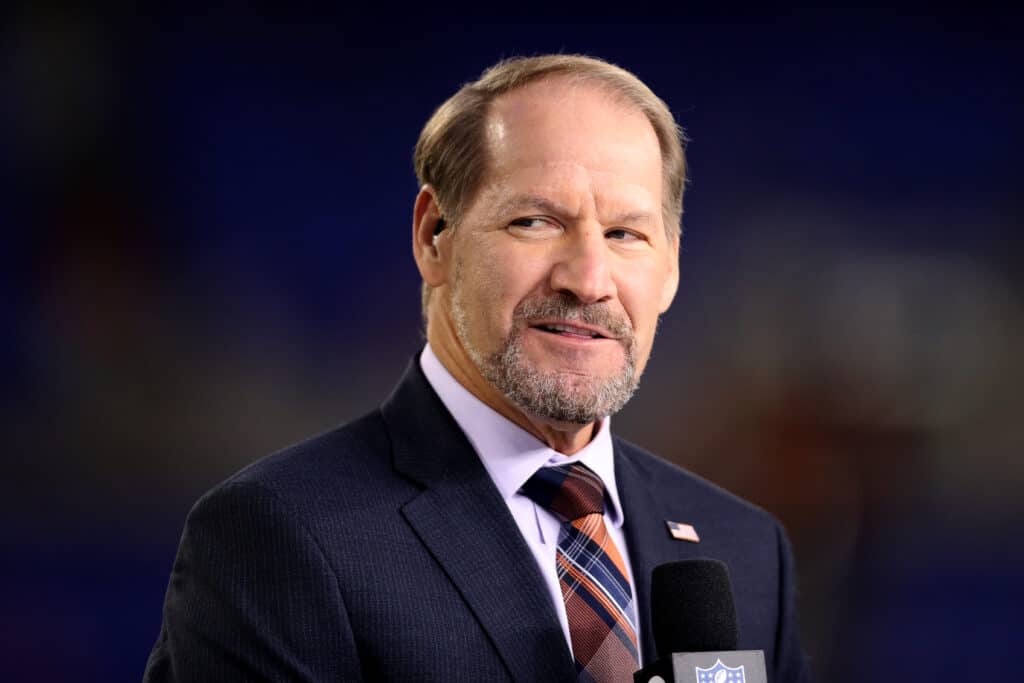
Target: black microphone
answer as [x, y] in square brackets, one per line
[693, 617]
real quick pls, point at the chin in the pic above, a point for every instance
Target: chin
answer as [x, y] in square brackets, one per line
[585, 363]
[564, 425]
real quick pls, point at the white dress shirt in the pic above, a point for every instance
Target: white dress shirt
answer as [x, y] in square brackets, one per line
[511, 455]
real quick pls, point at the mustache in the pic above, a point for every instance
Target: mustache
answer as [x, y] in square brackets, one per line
[565, 308]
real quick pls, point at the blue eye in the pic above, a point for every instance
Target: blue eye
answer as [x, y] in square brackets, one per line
[534, 227]
[622, 235]
[528, 222]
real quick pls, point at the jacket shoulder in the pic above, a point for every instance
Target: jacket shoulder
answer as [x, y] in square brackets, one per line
[666, 476]
[344, 471]
[345, 446]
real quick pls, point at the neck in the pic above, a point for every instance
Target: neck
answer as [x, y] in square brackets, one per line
[563, 437]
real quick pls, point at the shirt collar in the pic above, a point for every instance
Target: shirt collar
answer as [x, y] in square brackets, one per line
[508, 452]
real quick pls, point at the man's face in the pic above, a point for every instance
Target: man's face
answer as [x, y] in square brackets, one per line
[561, 264]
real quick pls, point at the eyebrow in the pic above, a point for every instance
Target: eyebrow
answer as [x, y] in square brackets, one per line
[546, 205]
[532, 201]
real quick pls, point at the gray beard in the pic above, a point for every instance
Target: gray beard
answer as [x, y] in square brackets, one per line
[562, 397]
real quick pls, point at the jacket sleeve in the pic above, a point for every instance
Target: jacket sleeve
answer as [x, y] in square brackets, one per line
[251, 597]
[790, 660]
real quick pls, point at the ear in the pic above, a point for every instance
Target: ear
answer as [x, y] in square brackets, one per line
[668, 291]
[430, 259]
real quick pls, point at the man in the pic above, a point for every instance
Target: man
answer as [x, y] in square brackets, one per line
[483, 524]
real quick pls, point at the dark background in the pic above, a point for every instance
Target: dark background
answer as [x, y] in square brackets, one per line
[206, 256]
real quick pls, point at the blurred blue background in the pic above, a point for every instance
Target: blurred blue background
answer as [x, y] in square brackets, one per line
[206, 256]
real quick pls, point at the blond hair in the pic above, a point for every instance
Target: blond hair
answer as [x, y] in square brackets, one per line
[451, 153]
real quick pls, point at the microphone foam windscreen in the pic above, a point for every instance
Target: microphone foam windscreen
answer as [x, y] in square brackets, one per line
[692, 607]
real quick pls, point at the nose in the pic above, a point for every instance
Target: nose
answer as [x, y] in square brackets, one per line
[582, 268]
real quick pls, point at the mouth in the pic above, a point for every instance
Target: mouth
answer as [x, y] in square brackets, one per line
[572, 330]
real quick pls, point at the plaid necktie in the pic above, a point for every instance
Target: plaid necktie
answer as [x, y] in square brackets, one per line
[591, 573]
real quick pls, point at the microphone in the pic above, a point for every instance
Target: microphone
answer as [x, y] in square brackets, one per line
[693, 617]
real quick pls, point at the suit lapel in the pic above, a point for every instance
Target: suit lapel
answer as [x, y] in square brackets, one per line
[645, 514]
[463, 521]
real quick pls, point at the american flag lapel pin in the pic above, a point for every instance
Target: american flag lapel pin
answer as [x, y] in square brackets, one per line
[682, 532]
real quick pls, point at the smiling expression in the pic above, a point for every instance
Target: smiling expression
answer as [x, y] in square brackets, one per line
[561, 264]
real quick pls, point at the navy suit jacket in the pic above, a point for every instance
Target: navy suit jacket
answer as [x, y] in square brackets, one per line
[383, 551]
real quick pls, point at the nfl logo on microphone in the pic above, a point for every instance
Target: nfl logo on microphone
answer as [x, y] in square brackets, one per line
[720, 673]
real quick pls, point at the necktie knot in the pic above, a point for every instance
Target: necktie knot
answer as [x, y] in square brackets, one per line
[591, 574]
[569, 491]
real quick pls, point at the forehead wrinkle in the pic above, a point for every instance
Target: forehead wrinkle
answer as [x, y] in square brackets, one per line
[558, 196]
[623, 203]
[573, 192]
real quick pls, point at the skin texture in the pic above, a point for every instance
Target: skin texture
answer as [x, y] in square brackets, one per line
[568, 217]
